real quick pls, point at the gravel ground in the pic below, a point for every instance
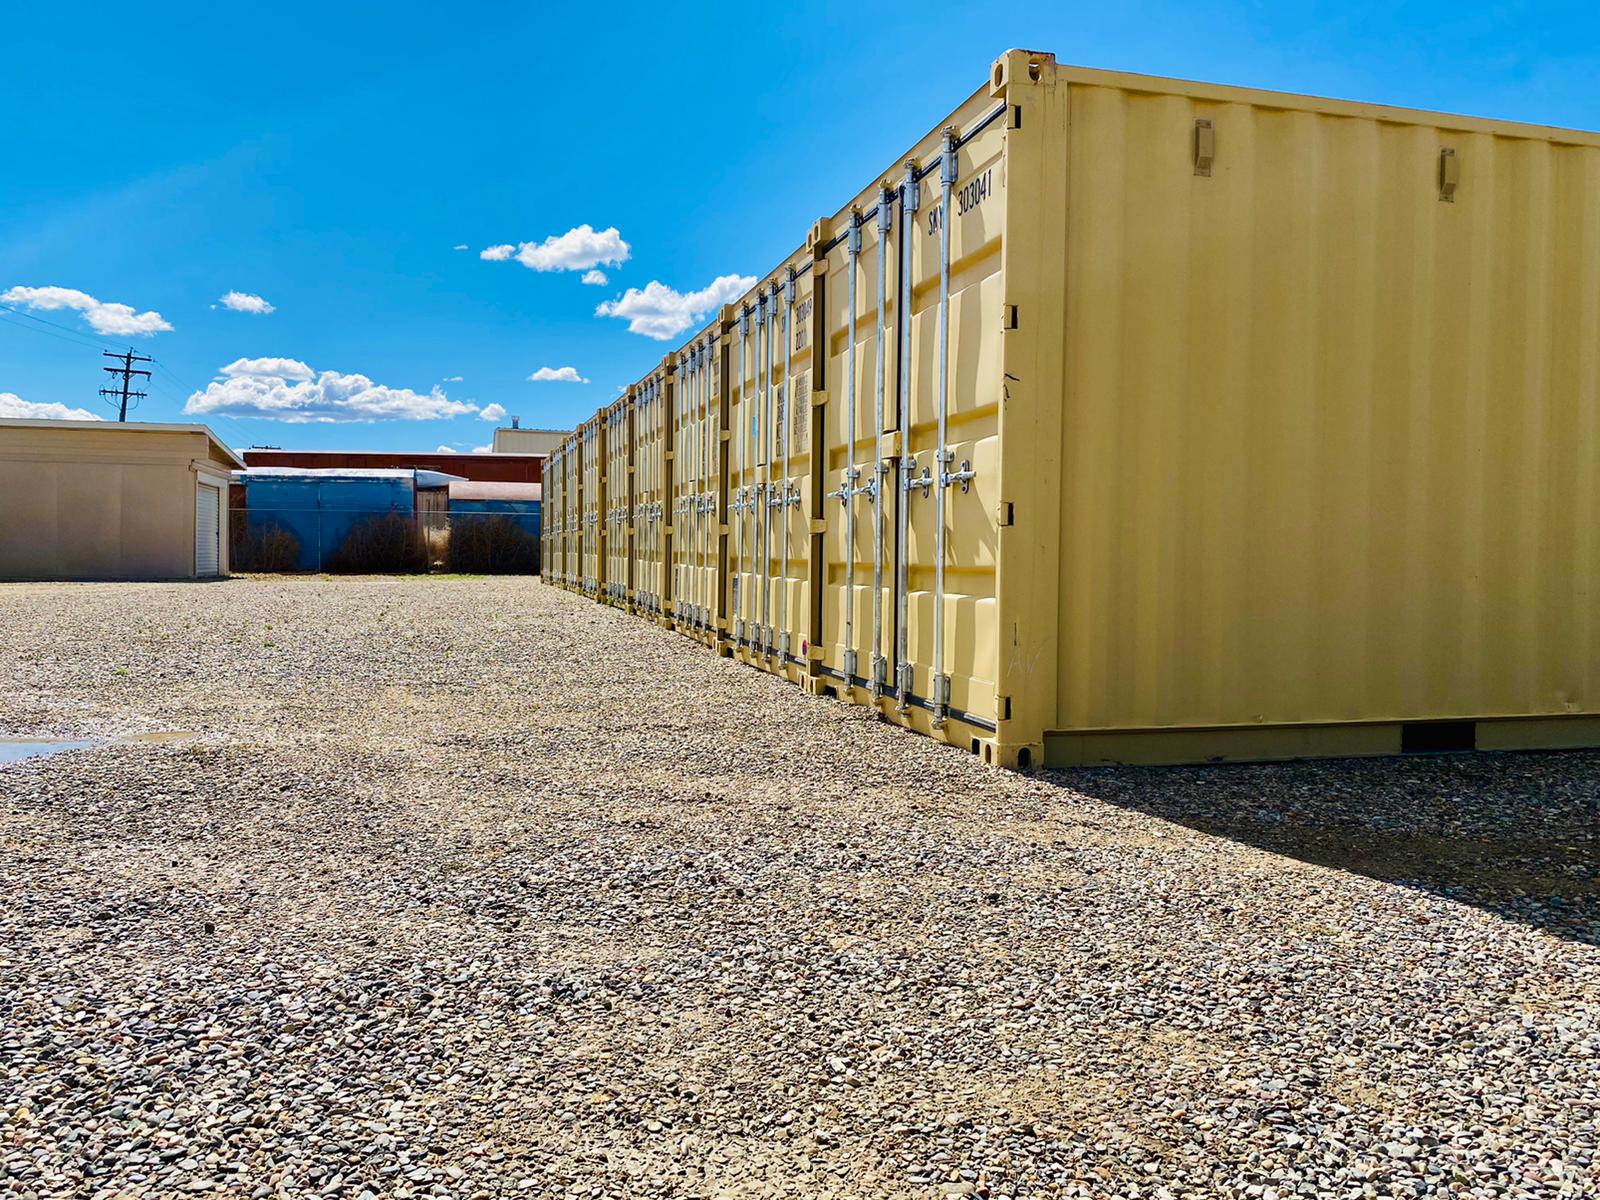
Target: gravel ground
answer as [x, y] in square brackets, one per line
[472, 888]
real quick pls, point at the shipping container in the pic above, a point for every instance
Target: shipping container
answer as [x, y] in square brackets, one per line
[592, 497]
[617, 469]
[773, 502]
[651, 440]
[562, 548]
[572, 460]
[549, 535]
[1159, 421]
[698, 488]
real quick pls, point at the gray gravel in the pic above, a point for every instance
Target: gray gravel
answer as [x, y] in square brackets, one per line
[472, 888]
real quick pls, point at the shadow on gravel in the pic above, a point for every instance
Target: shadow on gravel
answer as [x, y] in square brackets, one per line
[1517, 834]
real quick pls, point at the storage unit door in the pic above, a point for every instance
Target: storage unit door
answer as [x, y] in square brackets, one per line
[858, 568]
[647, 508]
[746, 489]
[695, 449]
[207, 530]
[950, 396]
[791, 459]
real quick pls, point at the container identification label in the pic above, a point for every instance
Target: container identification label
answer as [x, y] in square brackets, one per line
[968, 196]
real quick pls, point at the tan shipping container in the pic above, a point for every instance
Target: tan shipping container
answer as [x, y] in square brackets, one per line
[651, 439]
[591, 527]
[1162, 421]
[772, 500]
[770, 474]
[617, 449]
[550, 516]
[698, 489]
[572, 461]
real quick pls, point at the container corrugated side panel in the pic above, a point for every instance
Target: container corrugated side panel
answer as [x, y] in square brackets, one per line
[1328, 441]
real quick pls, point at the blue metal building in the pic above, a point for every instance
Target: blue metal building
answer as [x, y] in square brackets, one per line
[320, 509]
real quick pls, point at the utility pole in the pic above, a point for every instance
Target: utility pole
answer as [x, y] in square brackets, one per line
[127, 372]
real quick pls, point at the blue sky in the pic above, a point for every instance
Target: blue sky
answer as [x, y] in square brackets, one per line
[327, 159]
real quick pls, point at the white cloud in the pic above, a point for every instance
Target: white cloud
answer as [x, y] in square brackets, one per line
[14, 407]
[461, 247]
[660, 312]
[246, 303]
[580, 249]
[489, 449]
[269, 368]
[596, 278]
[493, 412]
[556, 375]
[285, 389]
[452, 379]
[443, 450]
[102, 317]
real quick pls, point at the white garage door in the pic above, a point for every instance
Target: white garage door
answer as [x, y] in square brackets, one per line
[207, 529]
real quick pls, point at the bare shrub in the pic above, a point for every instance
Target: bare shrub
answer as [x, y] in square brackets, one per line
[492, 544]
[389, 543]
[263, 546]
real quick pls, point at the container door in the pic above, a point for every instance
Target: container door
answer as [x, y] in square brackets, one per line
[689, 516]
[682, 466]
[745, 495]
[791, 458]
[858, 566]
[951, 391]
[654, 508]
[207, 530]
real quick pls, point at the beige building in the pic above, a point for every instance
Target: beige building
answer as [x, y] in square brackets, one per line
[100, 500]
[517, 440]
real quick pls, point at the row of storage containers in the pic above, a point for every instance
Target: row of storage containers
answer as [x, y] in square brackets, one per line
[1138, 420]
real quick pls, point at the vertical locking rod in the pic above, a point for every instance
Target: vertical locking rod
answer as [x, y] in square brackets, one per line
[848, 487]
[947, 179]
[879, 663]
[911, 201]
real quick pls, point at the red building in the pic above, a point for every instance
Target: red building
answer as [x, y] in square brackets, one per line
[485, 468]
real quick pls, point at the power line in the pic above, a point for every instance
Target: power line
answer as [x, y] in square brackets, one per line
[77, 335]
[179, 388]
[187, 387]
[60, 338]
[127, 371]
